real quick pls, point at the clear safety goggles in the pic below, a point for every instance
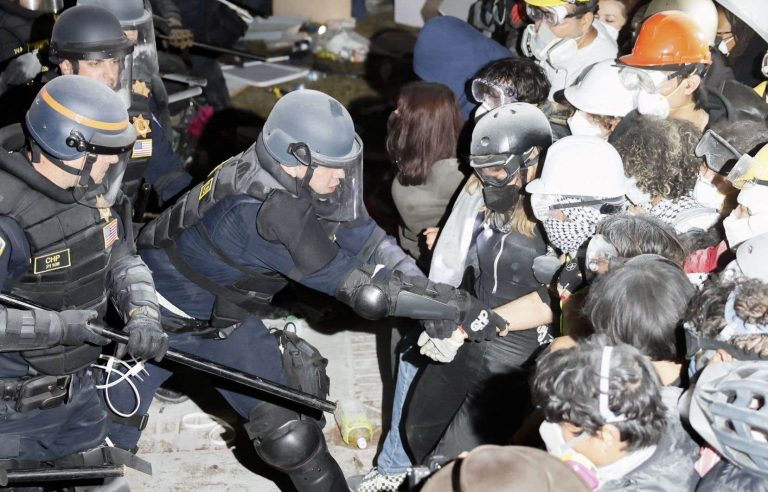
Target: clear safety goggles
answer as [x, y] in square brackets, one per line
[491, 95]
[600, 252]
[554, 16]
[500, 169]
[716, 151]
[646, 80]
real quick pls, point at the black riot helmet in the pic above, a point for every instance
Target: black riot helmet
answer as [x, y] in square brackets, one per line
[312, 129]
[82, 127]
[504, 139]
[137, 24]
[92, 40]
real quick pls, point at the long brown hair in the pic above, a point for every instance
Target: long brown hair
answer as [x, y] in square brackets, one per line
[423, 130]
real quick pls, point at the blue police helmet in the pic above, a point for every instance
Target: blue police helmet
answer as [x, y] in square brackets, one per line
[311, 119]
[72, 115]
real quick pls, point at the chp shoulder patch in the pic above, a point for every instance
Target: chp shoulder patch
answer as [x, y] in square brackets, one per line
[52, 261]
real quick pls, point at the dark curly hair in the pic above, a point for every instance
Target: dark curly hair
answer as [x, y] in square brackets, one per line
[566, 387]
[659, 154]
[705, 313]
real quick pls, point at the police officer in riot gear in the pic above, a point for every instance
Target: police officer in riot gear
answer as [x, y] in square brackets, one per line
[66, 244]
[89, 40]
[290, 206]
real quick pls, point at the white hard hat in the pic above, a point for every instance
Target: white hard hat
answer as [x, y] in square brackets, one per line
[750, 256]
[600, 91]
[751, 12]
[701, 11]
[581, 166]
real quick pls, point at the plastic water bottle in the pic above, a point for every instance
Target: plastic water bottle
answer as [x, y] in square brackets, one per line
[353, 422]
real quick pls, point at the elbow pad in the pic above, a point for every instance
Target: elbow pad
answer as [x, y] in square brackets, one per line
[375, 293]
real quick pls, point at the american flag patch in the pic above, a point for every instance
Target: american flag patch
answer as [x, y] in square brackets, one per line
[110, 233]
[142, 148]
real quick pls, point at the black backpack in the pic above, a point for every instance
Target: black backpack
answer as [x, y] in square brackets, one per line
[303, 363]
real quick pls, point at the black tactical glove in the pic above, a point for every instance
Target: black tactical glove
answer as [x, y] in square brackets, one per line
[74, 327]
[478, 321]
[146, 339]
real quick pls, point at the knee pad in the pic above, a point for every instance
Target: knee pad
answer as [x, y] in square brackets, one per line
[282, 439]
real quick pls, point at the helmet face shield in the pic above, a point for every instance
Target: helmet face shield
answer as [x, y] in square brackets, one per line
[99, 179]
[716, 151]
[114, 72]
[498, 169]
[142, 32]
[336, 184]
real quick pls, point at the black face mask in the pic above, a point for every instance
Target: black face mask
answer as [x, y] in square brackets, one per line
[501, 198]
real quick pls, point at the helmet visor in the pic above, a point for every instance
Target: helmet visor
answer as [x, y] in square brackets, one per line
[99, 179]
[336, 184]
[114, 72]
[716, 151]
[142, 33]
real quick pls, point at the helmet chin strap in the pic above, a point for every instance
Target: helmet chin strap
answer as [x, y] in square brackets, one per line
[83, 173]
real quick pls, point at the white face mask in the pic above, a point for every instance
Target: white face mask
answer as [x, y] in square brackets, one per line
[707, 194]
[557, 446]
[545, 46]
[580, 125]
[652, 104]
[738, 230]
[722, 47]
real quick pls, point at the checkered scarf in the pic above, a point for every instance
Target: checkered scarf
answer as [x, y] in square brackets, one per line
[568, 235]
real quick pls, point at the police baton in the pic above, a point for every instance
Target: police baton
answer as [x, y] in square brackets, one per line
[201, 364]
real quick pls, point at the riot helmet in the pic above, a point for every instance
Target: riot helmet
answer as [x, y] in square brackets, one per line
[137, 25]
[86, 137]
[90, 40]
[505, 141]
[311, 129]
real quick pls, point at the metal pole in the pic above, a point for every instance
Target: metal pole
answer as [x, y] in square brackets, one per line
[203, 365]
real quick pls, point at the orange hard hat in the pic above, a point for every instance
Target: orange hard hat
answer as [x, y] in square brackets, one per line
[669, 39]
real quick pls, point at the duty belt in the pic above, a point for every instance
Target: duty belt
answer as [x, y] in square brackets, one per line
[39, 392]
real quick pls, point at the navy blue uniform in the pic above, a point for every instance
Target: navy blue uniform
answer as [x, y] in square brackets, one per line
[231, 225]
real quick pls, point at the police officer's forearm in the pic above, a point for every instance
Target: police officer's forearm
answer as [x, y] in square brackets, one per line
[526, 312]
[27, 330]
[133, 288]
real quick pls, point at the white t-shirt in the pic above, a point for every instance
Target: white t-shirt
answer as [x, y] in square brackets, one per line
[603, 47]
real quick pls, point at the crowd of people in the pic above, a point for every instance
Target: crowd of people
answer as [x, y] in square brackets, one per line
[582, 237]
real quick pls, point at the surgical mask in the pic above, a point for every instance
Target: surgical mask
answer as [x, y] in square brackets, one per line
[612, 31]
[707, 194]
[635, 194]
[557, 446]
[545, 46]
[501, 198]
[722, 47]
[580, 125]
